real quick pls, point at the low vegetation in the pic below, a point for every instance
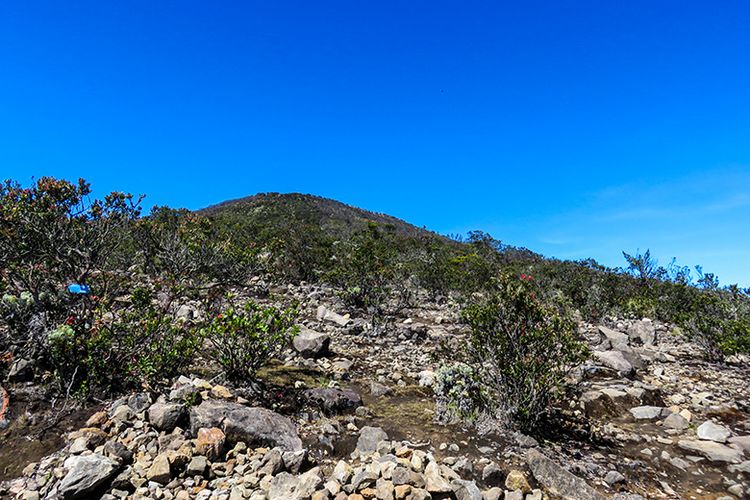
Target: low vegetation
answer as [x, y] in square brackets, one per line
[141, 269]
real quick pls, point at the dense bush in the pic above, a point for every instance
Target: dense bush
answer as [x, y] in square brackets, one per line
[364, 269]
[521, 348]
[191, 250]
[53, 234]
[146, 341]
[720, 323]
[244, 338]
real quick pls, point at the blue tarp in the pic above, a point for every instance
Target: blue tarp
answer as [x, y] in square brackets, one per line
[77, 288]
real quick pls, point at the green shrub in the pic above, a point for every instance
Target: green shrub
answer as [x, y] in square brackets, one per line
[143, 344]
[521, 348]
[243, 339]
[364, 269]
[719, 321]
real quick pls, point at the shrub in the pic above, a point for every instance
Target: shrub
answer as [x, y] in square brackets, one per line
[243, 339]
[143, 344]
[53, 234]
[364, 269]
[459, 393]
[187, 249]
[720, 323]
[521, 349]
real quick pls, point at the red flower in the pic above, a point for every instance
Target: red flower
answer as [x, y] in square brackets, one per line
[69, 321]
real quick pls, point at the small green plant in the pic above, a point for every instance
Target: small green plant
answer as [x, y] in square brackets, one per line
[243, 339]
[459, 393]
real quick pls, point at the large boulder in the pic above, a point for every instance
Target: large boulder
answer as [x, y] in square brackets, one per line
[558, 480]
[642, 332]
[333, 401]
[249, 424]
[611, 339]
[311, 344]
[85, 474]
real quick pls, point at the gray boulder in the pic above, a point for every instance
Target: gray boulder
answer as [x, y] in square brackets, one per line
[167, 416]
[325, 314]
[558, 480]
[710, 431]
[369, 437]
[85, 474]
[333, 401]
[715, 452]
[647, 412]
[466, 490]
[249, 424]
[311, 344]
[611, 339]
[642, 332]
[614, 360]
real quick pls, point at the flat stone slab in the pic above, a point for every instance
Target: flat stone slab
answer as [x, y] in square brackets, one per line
[715, 452]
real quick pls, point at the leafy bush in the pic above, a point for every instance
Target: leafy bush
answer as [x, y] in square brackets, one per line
[364, 269]
[243, 339]
[720, 323]
[187, 248]
[53, 234]
[143, 344]
[521, 348]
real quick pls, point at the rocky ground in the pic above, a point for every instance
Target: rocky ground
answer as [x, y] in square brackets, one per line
[349, 414]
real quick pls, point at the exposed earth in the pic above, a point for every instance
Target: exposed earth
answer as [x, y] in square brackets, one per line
[349, 414]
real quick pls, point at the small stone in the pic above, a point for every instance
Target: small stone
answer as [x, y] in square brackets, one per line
[492, 474]
[516, 480]
[369, 437]
[210, 443]
[159, 472]
[676, 421]
[613, 477]
[220, 392]
[710, 431]
[197, 466]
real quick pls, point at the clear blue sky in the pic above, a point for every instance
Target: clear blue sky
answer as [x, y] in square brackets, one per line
[577, 129]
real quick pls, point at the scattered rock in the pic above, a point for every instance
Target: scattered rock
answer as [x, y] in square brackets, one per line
[711, 431]
[558, 480]
[333, 401]
[311, 344]
[85, 474]
[369, 437]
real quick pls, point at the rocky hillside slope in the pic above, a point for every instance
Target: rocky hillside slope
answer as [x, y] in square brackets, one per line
[349, 414]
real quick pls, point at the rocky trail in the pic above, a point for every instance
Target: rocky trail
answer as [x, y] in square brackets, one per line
[349, 414]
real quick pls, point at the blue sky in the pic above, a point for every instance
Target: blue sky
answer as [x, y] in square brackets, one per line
[577, 129]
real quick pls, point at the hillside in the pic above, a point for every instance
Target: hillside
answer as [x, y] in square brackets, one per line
[282, 347]
[334, 218]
